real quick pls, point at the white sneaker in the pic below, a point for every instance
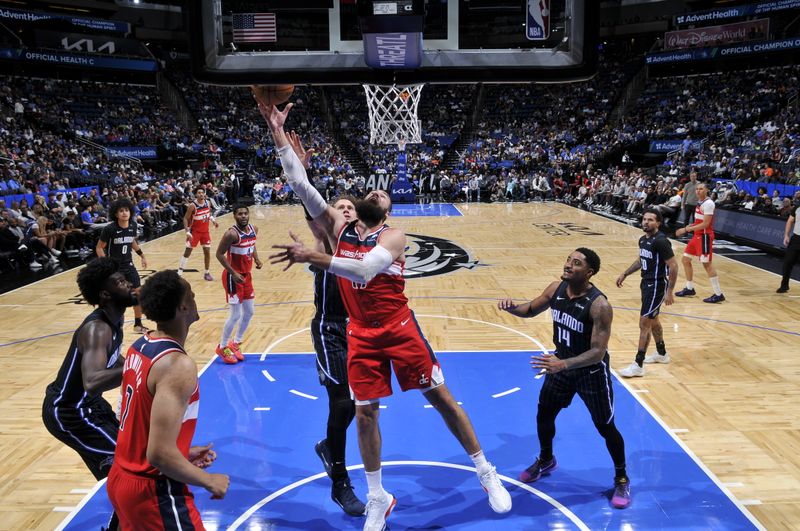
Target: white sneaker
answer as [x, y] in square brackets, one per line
[657, 358]
[499, 498]
[180, 272]
[378, 510]
[54, 260]
[35, 265]
[55, 252]
[632, 370]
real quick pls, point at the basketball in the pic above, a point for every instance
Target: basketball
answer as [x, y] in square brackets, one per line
[272, 94]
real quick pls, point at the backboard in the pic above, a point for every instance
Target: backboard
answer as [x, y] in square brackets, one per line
[339, 42]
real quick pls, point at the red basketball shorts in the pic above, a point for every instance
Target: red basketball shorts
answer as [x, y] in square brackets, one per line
[375, 349]
[202, 238]
[151, 504]
[236, 293]
[702, 246]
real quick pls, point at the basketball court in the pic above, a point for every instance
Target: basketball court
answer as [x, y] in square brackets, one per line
[709, 438]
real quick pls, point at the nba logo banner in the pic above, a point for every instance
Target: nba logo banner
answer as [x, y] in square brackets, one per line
[537, 24]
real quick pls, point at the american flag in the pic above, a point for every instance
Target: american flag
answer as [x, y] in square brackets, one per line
[254, 27]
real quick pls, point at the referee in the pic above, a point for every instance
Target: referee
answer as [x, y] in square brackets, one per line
[118, 242]
[659, 274]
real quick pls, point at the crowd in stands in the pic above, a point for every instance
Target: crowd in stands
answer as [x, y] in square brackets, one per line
[524, 142]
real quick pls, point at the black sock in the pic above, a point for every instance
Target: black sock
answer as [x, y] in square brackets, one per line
[640, 357]
[661, 348]
[620, 473]
[338, 471]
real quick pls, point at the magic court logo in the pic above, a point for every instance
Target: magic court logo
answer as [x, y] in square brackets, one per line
[427, 256]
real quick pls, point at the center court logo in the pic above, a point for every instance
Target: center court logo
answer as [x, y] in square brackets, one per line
[427, 256]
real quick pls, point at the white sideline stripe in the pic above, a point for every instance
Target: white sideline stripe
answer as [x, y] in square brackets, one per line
[298, 393]
[80, 491]
[63, 509]
[267, 375]
[261, 409]
[685, 448]
[504, 393]
[382, 407]
[75, 510]
[552, 501]
[428, 406]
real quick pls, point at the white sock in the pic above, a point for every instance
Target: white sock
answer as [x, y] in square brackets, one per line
[374, 485]
[208, 272]
[183, 262]
[689, 284]
[715, 285]
[480, 462]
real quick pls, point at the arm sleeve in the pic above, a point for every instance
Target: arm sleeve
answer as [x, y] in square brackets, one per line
[362, 271]
[298, 180]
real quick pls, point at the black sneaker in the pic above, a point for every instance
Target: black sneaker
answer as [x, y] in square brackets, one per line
[686, 292]
[782, 289]
[342, 493]
[714, 299]
[325, 456]
[537, 470]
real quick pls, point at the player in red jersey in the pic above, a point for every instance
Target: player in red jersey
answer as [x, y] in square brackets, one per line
[701, 246]
[154, 460]
[195, 221]
[237, 253]
[382, 332]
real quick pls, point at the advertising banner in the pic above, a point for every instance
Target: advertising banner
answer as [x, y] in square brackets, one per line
[716, 35]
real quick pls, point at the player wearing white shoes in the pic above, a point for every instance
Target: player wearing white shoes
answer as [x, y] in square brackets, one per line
[237, 253]
[701, 246]
[382, 333]
[580, 365]
[659, 274]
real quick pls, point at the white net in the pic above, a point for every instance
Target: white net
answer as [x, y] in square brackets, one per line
[393, 113]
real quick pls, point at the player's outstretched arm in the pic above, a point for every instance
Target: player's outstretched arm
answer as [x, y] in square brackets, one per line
[330, 219]
[172, 381]
[532, 308]
[634, 267]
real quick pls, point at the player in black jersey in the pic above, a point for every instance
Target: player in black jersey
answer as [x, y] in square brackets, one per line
[581, 329]
[329, 335]
[659, 274]
[118, 241]
[74, 410]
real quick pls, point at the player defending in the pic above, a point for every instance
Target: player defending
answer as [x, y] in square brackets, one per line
[581, 329]
[118, 241]
[155, 461]
[382, 331]
[701, 246]
[74, 410]
[659, 274]
[195, 221]
[329, 335]
[237, 253]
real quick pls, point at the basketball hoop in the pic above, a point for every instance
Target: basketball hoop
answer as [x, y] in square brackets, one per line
[393, 113]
